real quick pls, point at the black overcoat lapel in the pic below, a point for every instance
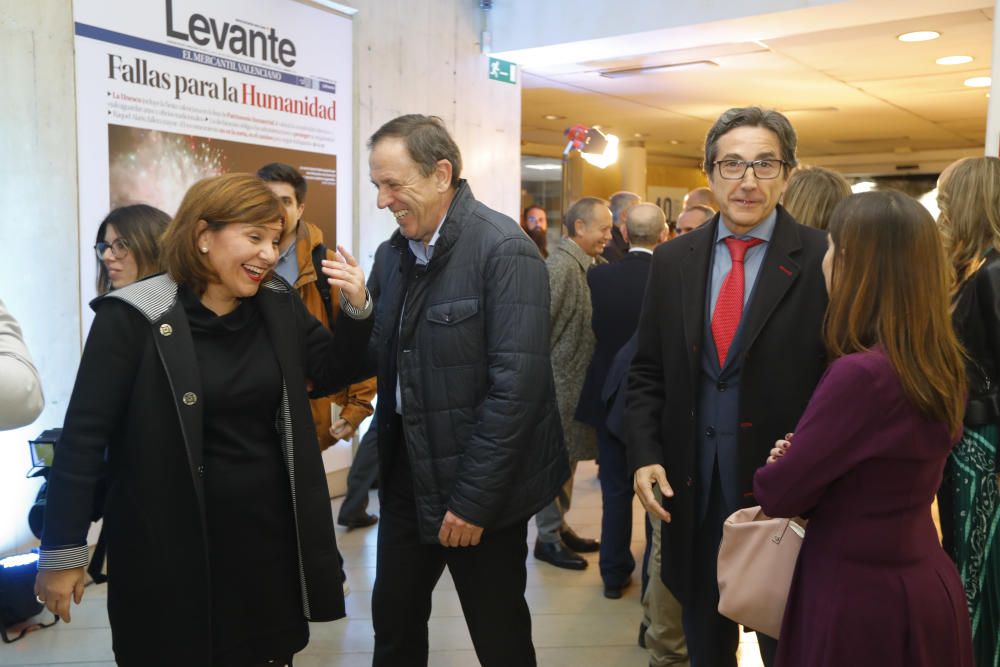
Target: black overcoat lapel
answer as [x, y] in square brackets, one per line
[778, 272]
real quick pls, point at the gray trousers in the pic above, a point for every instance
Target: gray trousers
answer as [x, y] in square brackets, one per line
[551, 518]
[661, 611]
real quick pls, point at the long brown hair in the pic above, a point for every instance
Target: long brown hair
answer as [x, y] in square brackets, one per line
[890, 287]
[140, 226]
[969, 199]
[219, 201]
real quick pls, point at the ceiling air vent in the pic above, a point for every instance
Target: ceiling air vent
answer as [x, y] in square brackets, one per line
[657, 69]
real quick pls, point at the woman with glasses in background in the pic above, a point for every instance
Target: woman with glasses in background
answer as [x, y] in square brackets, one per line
[128, 247]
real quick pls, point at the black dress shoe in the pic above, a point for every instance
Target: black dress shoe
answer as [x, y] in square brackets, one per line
[556, 553]
[359, 521]
[581, 545]
[615, 592]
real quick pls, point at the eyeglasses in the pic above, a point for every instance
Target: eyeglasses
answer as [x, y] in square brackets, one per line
[119, 249]
[735, 170]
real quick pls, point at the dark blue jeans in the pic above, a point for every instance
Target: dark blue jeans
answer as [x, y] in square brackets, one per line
[616, 521]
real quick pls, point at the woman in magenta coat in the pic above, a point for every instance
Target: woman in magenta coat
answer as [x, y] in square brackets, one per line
[872, 586]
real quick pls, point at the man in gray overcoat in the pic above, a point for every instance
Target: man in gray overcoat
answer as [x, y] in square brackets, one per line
[588, 228]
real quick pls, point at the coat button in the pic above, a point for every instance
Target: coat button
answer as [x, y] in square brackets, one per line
[447, 318]
[201, 471]
[190, 398]
[689, 482]
[722, 386]
[166, 329]
[709, 432]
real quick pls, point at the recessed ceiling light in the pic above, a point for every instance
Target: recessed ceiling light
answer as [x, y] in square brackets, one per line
[674, 142]
[640, 135]
[918, 36]
[954, 60]
[978, 82]
[552, 116]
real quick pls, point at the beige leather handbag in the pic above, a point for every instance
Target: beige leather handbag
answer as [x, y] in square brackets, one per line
[756, 562]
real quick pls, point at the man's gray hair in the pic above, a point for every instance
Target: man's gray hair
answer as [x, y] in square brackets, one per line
[645, 224]
[582, 209]
[427, 141]
[752, 117]
[621, 201]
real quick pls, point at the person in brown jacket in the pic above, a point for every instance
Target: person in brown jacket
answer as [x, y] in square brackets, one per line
[300, 247]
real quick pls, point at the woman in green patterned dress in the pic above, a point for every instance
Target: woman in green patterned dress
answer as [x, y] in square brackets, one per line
[969, 198]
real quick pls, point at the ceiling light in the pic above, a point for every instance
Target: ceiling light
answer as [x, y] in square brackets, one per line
[978, 82]
[543, 167]
[674, 142]
[657, 69]
[954, 60]
[552, 116]
[863, 186]
[918, 36]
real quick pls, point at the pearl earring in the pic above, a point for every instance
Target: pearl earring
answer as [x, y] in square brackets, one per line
[204, 250]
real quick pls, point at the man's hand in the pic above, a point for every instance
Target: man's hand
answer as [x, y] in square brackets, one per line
[344, 273]
[341, 429]
[780, 448]
[456, 532]
[55, 588]
[643, 482]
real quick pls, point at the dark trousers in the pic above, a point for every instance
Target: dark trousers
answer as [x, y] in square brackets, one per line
[490, 580]
[364, 472]
[616, 519]
[712, 639]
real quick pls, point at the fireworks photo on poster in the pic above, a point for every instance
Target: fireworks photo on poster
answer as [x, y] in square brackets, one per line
[156, 168]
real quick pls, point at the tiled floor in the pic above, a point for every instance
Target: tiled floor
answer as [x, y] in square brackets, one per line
[573, 624]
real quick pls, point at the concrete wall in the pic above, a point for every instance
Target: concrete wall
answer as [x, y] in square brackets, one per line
[423, 56]
[38, 231]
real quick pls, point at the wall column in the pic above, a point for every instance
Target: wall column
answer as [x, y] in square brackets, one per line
[632, 158]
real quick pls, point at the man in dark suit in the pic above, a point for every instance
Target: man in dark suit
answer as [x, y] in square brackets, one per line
[729, 351]
[620, 203]
[616, 296]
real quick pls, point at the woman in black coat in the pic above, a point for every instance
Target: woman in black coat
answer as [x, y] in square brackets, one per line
[218, 523]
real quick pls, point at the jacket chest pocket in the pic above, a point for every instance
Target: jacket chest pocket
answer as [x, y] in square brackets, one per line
[455, 332]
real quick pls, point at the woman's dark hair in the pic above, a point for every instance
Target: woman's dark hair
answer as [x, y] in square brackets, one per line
[890, 287]
[141, 227]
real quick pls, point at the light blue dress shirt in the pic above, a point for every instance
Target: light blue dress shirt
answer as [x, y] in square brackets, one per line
[722, 261]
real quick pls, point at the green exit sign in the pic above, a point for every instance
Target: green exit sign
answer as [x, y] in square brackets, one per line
[501, 70]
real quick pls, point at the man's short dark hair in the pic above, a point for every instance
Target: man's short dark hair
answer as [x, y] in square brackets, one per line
[752, 117]
[279, 172]
[427, 141]
[582, 209]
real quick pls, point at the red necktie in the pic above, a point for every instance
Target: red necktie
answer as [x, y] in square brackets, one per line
[729, 305]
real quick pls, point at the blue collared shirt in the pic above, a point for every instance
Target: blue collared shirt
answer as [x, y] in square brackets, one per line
[423, 254]
[288, 263]
[722, 261]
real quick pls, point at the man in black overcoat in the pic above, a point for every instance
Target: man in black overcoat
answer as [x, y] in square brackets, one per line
[729, 351]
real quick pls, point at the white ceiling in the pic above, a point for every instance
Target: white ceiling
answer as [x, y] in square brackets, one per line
[861, 101]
